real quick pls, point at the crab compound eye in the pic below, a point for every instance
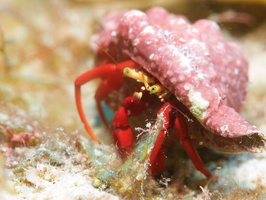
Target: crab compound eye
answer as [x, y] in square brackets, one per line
[153, 89]
[126, 71]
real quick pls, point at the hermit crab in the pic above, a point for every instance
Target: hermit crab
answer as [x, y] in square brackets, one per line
[186, 73]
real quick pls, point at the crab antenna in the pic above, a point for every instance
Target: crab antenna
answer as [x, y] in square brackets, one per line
[81, 112]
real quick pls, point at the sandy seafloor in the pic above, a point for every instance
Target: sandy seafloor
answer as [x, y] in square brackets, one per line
[45, 152]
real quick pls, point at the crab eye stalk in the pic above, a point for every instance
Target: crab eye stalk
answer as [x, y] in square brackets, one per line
[131, 73]
[138, 75]
[155, 89]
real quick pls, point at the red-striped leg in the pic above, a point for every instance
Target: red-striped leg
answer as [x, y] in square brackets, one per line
[182, 132]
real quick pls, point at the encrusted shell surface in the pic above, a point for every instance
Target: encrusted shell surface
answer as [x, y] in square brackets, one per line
[205, 72]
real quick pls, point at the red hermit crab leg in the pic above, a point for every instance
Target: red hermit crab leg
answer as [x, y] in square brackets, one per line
[122, 133]
[112, 76]
[157, 156]
[182, 132]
